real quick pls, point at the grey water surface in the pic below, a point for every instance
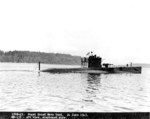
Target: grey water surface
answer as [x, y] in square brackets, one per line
[22, 88]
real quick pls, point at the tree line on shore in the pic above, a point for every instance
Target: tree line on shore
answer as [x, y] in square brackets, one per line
[34, 57]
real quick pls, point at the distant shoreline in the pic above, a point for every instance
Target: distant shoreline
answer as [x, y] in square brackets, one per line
[41, 63]
[35, 57]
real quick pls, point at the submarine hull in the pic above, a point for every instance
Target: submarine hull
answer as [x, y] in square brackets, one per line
[123, 69]
[96, 70]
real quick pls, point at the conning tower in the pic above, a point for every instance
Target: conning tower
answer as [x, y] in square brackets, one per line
[94, 61]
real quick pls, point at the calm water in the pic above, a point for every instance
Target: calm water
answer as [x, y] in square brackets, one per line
[23, 89]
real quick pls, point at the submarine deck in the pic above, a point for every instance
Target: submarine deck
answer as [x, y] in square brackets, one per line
[95, 70]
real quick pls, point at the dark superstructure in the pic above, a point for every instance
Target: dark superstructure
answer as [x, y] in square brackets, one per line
[95, 62]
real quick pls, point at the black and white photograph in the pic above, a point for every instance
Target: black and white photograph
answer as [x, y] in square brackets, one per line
[74, 59]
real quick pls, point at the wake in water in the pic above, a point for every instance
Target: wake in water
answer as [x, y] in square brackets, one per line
[18, 70]
[18, 67]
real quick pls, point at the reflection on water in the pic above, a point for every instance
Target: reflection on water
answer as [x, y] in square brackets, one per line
[93, 81]
[23, 90]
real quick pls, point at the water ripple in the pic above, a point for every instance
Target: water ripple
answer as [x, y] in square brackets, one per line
[26, 90]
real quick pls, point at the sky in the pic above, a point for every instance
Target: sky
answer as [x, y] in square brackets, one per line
[116, 30]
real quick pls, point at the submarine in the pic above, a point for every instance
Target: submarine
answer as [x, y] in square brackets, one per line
[93, 64]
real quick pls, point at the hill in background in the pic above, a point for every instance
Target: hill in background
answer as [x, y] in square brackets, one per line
[34, 57]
